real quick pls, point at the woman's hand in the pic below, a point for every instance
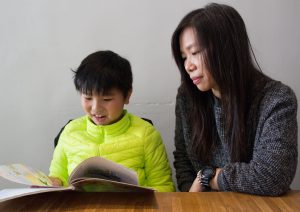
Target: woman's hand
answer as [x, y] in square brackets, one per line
[214, 181]
[196, 186]
[56, 181]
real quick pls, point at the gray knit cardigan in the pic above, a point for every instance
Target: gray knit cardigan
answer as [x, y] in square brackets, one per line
[272, 131]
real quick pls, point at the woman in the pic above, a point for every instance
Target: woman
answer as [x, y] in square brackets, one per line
[236, 128]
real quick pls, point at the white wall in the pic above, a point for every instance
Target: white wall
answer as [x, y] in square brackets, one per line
[41, 40]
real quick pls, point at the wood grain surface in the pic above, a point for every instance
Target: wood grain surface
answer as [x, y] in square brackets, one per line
[176, 201]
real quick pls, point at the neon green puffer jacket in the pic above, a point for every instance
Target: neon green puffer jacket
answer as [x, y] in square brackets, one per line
[131, 142]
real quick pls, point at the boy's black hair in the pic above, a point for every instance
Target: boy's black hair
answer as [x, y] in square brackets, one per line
[102, 71]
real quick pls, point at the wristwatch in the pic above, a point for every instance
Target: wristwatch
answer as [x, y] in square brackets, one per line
[205, 175]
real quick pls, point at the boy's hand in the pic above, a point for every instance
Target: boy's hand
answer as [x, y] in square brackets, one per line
[56, 181]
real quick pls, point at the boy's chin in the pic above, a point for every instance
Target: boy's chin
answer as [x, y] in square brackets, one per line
[100, 123]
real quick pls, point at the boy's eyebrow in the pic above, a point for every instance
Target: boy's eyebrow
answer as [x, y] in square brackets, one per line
[108, 93]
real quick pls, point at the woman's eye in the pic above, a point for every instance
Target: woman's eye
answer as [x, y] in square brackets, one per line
[195, 53]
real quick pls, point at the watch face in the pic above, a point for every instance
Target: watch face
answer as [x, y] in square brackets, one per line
[208, 171]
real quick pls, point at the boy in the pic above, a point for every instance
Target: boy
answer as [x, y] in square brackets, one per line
[104, 80]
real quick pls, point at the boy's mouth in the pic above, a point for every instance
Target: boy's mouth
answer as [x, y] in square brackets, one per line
[99, 118]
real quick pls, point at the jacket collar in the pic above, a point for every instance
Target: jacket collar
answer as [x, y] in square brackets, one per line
[112, 130]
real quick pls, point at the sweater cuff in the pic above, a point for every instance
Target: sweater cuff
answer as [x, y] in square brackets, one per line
[185, 187]
[221, 182]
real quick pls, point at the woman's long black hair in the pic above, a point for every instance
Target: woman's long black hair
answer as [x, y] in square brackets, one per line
[227, 54]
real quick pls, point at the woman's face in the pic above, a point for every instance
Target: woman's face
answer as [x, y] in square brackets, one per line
[194, 64]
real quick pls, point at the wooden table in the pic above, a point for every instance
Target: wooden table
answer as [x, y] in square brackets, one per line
[211, 201]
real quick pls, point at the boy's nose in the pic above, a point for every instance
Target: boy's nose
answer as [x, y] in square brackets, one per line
[97, 108]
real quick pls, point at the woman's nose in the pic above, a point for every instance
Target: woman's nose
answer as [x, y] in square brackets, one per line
[189, 66]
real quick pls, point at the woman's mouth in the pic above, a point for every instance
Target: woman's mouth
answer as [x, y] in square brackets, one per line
[196, 80]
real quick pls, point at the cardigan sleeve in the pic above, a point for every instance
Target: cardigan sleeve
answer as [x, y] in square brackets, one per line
[274, 162]
[185, 173]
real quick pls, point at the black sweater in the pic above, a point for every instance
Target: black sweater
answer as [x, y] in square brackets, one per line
[272, 131]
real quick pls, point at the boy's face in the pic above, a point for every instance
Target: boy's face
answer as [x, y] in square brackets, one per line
[104, 109]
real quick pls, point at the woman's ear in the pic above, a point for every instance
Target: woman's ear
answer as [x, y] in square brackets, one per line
[128, 96]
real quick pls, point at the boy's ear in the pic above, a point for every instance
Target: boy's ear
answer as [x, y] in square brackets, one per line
[128, 96]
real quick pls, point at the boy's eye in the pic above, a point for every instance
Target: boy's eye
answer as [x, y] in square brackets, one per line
[87, 98]
[107, 99]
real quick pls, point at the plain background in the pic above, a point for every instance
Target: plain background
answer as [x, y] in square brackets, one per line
[42, 40]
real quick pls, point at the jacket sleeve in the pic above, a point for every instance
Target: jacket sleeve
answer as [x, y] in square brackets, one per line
[59, 163]
[274, 161]
[157, 168]
[185, 173]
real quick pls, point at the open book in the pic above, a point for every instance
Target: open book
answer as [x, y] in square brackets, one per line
[95, 174]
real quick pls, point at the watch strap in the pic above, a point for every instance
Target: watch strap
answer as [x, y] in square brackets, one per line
[205, 175]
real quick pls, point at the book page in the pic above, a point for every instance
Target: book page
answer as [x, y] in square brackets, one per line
[98, 167]
[103, 185]
[12, 193]
[25, 175]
